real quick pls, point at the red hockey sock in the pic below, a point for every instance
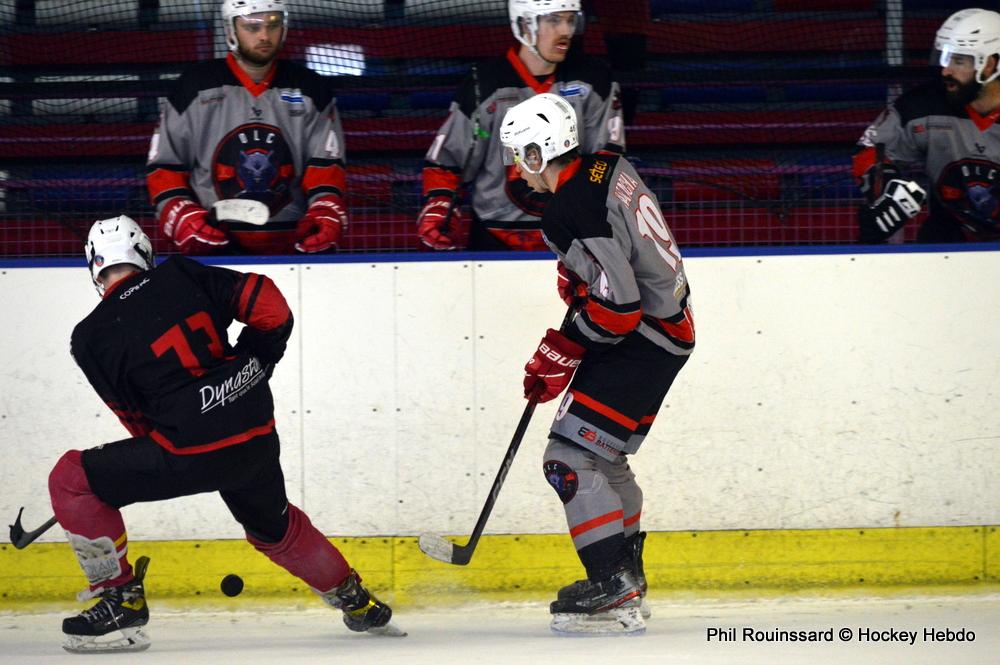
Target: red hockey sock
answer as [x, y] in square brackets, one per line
[94, 528]
[306, 553]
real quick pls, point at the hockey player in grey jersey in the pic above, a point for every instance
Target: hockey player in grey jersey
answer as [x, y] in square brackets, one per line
[250, 127]
[506, 212]
[632, 331]
[949, 128]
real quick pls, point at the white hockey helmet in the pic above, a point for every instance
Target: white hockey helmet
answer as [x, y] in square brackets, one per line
[970, 32]
[538, 130]
[115, 241]
[233, 8]
[524, 16]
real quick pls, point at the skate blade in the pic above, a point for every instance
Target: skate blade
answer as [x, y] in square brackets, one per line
[619, 621]
[608, 616]
[131, 639]
[388, 630]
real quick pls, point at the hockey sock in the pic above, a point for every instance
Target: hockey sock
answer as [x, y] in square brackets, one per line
[594, 509]
[95, 530]
[306, 553]
[622, 481]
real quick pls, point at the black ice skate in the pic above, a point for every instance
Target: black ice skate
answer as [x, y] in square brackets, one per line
[122, 609]
[605, 607]
[363, 612]
[635, 545]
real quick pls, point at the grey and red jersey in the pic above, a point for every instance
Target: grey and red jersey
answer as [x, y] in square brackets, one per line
[959, 150]
[502, 201]
[606, 226]
[223, 136]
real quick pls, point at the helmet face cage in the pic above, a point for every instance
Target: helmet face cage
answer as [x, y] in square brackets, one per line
[116, 241]
[231, 9]
[972, 33]
[525, 16]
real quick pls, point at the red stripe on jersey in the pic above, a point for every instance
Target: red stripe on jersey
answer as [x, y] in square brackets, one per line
[214, 445]
[682, 330]
[616, 323]
[862, 161]
[604, 410]
[324, 176]
[568, 172]
[526, 75]
[983, 122]
[165, 180]
[589, 525]
[438, 178]
[629, 521]
[647, 420]
[254, 88]
[261, 304]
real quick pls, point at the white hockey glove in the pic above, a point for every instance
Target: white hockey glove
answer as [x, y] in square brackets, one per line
[900, 202]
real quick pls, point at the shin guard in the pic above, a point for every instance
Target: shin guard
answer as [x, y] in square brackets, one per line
[94, 529]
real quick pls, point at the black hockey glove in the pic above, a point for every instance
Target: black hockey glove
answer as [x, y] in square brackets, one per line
[267, 345]
[901, 202]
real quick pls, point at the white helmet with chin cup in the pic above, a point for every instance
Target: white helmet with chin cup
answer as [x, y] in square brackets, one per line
[115, 241]
[970, 32]
[234, 8]
[538, 130]
[525, 14]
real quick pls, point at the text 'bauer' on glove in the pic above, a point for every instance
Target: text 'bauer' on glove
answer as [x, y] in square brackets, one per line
[551, 368]
[323, 225]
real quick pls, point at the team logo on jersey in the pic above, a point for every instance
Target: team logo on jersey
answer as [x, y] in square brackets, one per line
[295, 100]
[574, 89]
[970, 190]
[254, 162]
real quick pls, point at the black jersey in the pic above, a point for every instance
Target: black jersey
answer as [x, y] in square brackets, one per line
[156, 351]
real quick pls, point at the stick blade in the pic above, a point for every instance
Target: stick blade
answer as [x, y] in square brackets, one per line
[246, 211]
[436, 547]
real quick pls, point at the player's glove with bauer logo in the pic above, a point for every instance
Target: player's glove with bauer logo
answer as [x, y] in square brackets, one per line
[323, 225]
[901, 202]
[190, 227]
[549, 371]
[437, 226]
[572, 289]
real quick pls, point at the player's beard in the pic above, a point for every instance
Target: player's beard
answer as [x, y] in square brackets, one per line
[964, 94]
[248, 55]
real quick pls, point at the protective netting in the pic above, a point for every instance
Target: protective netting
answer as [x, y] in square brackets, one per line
[741, 114]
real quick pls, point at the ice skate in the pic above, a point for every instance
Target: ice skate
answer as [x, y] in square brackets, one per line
[363, 612]
[635, 545]
[607, 607]
[118, 617]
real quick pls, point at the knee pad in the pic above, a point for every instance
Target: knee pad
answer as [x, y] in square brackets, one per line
[569, 469]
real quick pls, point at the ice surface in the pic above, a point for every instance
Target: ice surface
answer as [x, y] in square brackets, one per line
[482, 634]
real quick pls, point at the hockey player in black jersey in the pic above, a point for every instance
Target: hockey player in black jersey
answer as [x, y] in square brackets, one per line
[632, 331]
[506, 213]
[201, 419]
[949, 128]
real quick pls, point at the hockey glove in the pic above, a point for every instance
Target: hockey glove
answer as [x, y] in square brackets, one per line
[900, 202]
[267, 345]
[190, 227]
[549, 371]
[572, 289]
[323, 225]
[872, 189]
[437, 225]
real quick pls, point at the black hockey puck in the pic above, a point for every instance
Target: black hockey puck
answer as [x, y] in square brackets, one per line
[232, 585]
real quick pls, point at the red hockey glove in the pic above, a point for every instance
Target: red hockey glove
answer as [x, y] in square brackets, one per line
[549, 371]
[572, 289]
[322, 226]
[436, 226]
[188, 225]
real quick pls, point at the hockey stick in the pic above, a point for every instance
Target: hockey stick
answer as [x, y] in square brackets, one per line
[20, 538]
[437, 547]
[243, 211]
